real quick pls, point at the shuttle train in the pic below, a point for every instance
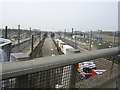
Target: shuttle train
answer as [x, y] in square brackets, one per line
[84, 69]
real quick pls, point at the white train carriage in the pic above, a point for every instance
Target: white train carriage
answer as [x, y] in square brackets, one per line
[58, 42]
[66, 49]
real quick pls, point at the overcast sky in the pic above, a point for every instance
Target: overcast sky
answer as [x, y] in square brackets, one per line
[83, 16]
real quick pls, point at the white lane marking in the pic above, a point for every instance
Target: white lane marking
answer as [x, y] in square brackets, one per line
[53, 55]
[51, 49]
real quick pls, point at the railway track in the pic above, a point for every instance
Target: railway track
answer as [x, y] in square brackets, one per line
[102, 63]
[107, 63]
[38, 50]
[46, 47]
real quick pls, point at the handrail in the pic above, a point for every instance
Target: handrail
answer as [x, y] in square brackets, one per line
[13, 69]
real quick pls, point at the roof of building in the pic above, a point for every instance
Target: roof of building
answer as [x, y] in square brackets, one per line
[3, 56]
[20, 56]
[4, 42]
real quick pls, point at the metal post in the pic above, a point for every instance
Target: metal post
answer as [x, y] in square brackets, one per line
[75, 41]
[73, 76]
[98, 38]
[30, 31]
[18, 38]
[6, 31]
[114, 36]
[88, 35]
[72, 33]
[101, 34]
[90, 40]
[65, 33]
[79, 33]
[32, 47]
[39, 36]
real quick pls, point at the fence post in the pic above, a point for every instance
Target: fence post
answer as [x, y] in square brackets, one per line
[73, 75]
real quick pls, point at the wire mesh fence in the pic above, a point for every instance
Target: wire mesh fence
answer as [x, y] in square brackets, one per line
[54, 78]
[47, 74]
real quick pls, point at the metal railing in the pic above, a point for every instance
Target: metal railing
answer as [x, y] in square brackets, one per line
[48, 72]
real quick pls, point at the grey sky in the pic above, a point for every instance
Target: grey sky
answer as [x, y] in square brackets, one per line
[61, 15]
